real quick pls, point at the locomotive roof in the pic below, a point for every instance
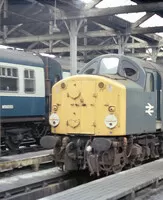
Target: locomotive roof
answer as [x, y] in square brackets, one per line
[139, 62]
[20, 57]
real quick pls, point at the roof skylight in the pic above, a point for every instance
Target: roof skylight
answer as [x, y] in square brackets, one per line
[155, 20]
[131, 17]
[114, 3]
[86, 1]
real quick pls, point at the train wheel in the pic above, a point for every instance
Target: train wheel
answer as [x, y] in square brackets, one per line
[12, 143]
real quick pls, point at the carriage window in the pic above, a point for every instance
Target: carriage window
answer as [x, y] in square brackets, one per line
[129, 70]
[29, 81]
[8, 79]
[109, 65]
[149, 82]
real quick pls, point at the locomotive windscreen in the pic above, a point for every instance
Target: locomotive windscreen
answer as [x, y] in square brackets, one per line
[109, 65]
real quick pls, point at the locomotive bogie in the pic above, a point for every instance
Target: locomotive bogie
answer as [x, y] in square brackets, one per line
[104, 154]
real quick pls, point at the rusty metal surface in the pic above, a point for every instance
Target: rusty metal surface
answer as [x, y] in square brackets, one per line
[116, 186]
[23, 160]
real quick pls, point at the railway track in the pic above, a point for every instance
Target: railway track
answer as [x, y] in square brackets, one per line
[36, 184]
[39, 184]
[26, 184]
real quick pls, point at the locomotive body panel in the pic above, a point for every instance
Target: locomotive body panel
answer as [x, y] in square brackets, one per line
[138, 102]
[89, 105]
[138, 120]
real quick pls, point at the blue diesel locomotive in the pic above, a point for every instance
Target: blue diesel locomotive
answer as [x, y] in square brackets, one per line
[25, 93]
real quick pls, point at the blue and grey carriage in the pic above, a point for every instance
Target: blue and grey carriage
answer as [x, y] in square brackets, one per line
[25, 91]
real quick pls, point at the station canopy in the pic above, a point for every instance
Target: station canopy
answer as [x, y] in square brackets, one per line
[104, 26]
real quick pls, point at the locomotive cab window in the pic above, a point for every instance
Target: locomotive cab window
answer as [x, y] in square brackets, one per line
[129, 70]
[56, 78]
[29, 81]
[109, 65]
[149, 82]
[91, 69]
[8, 79]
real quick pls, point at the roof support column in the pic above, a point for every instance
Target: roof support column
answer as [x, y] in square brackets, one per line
[73, 30]
[155, 51]
[50, 33]
[122, 41]
[73, 46]
[85, 39]
[1, 12]
[121, 44]
[133, 50]
[5, 15]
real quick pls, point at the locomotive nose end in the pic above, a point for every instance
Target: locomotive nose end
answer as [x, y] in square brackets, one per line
[48, 142]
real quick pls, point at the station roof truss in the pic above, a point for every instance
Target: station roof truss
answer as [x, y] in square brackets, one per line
[44, 26]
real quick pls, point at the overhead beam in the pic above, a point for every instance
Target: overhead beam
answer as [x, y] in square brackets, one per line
[101, 33]
[150, 36]
[138, 39]
[94, 12]
[31, 46]
[29, 35]
[102, 47]
[14, 29]
[139, 55]
[145, 7]
[138, 30]
[153, 37]
[104, 27]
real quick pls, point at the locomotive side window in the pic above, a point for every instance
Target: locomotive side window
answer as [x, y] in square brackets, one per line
[129, 70]
[89, 71]
[29, 81]
[149, 82]
[92, 69]
[109, 65]
[56, 78]
[8, 79]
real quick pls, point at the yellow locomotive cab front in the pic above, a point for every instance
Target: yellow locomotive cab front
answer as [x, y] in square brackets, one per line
[89, 104]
